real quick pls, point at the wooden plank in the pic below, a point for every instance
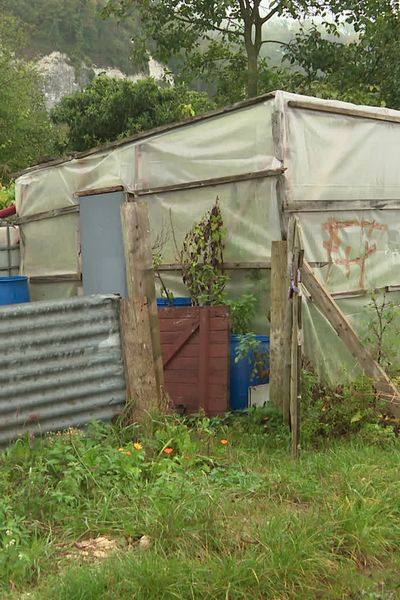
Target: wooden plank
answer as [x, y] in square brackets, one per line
[98, 191]
[55, 278]
[191, 350]
[341, 205]
[279, 388]
[203, 358]
[327, 305]
[362, 113]
[142, 393]
[140, 278]
[215, 181]
[183, 336]
[48, 214]
[227, 266]
[297, 253]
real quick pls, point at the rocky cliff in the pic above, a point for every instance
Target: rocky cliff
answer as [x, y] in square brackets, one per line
[62, 78]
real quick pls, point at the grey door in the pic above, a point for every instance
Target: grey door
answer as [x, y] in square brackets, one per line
[102, 249]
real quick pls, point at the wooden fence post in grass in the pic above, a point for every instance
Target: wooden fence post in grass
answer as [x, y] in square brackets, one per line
[296, 254]
[279, 384]
[139, 316]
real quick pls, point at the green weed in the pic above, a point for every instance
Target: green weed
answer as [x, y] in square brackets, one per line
[232, 520]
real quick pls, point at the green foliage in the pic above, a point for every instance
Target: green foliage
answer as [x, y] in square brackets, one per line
[76, 28]
[243, 310]
[110, 109]
[240, 517]
[364, 71]
[7, 195]
[26, 133]
[382, 331]
[345, 410]
[222, 43]
[202, 259]
[251, 349]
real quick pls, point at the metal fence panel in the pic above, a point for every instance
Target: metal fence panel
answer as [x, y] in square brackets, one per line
[61, 365]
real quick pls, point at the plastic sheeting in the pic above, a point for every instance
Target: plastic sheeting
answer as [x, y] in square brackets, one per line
[327, 158]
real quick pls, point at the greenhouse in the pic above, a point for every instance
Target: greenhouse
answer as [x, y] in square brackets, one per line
[332, 164]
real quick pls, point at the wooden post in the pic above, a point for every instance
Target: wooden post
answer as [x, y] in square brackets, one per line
[325, 302]
[141, 387]
[296, 255]
[279, 384]
[142, 295]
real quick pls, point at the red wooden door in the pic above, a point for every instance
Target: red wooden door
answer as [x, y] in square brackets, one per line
[195, 350]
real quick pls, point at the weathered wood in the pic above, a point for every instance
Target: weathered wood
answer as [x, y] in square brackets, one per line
[98, 191]
[327, 305]
[362, 113]
[227, 266]
[183, 337]
[203, 362]
[297, 253]
[142, 392]
[341, 205]
[279, 385]
[48, 214]
[140, 276]
[196, 376]
[60, 277]
[191, 185]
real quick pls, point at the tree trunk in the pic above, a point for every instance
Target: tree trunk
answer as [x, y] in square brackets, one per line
[252, 72]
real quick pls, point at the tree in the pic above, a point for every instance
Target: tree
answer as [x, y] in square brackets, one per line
[202, 33]
[111, 108]
[26, 133]
[366, 70]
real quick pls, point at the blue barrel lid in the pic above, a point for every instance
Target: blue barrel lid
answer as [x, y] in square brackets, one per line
[13, 278]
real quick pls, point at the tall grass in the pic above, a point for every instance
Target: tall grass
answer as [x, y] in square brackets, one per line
[233, 521]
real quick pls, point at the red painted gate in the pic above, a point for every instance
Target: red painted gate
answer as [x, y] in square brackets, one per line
[195, 350]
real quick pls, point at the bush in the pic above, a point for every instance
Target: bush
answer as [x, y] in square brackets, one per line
[341, 411]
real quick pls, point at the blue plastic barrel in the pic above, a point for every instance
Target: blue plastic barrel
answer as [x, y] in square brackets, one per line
[241, 374]
[174, 302]
[14, 290]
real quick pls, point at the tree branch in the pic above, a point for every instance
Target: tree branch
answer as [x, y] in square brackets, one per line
[275, 42]
[212, 26]
[271, 14]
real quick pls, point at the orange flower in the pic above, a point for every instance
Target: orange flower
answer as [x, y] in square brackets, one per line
[128, 452]
[168, 450]
[138, 446]
[224, 442]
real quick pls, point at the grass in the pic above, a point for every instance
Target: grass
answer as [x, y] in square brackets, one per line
[230, 522]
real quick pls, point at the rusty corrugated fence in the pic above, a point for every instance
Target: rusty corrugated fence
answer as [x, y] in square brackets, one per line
[60, 365]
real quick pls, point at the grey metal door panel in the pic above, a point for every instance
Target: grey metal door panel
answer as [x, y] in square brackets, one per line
[103, 258]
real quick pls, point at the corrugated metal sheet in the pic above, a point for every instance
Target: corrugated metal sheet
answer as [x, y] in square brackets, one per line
[61, 365]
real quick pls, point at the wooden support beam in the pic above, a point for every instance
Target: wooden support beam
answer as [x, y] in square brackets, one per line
[141, 386]
[296, 255]
[279, 385]
[327, 305]
[141, 287]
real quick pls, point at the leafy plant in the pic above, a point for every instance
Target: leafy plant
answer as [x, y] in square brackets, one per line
[243, 310]
[202, 259]
[7, 195]
[383, 331]
[333, 412]
[251, 349]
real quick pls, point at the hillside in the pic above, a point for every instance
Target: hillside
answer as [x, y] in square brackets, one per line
[74, 28]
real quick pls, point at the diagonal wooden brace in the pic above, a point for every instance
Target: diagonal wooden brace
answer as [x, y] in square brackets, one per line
[325, 302]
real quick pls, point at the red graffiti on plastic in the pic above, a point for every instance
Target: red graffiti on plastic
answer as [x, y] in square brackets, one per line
[335, 244]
